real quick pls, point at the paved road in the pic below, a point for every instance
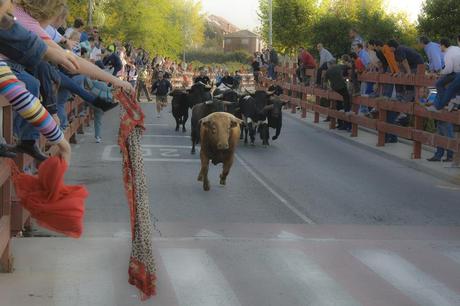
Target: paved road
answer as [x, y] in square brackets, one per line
[312, 220]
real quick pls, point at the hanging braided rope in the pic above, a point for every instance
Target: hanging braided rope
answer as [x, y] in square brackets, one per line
[142, 271]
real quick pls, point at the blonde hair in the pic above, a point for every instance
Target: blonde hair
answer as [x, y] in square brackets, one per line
[42, 10]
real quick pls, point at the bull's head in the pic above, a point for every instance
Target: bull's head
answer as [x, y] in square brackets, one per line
[219, 127]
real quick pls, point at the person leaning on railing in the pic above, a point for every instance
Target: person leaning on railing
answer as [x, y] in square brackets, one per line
[28, 106]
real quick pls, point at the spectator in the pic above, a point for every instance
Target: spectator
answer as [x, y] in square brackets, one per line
[355, 39]
[305, 61]
[78, 25]
[227, 80]
[95, 54]
[334, 75]
[388, 65]
[113, 61]
[256, 68]
[324, 57]
[238, 80]
[272, 63]
[161, 88]
[30, 50]
[203, 78]
[142, 85]
[434, 54]
[409, 59]
[449, 84]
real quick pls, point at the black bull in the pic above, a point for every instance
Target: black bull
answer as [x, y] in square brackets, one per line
[261, 111]
[185, 99]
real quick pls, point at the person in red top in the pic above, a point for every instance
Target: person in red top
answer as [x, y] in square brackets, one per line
[305, 61]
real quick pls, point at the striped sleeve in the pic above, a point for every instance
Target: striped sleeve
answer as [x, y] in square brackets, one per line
[27, 105]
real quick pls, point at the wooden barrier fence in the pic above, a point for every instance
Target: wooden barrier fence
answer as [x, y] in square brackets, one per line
[13, 217]
[299, 95]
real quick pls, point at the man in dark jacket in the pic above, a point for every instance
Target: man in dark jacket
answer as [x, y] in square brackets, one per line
[335, 76]
[161, 89]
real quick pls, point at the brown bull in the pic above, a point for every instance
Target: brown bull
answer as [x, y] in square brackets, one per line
[220, 134]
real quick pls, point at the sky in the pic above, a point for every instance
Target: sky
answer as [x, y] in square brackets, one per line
[243, 13]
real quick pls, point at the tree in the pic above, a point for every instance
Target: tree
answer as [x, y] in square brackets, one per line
[440, 19]
[292, 22]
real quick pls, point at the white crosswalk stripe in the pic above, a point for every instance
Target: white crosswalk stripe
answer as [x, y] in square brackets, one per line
[406, 277]
[196, 279]
[313, 283]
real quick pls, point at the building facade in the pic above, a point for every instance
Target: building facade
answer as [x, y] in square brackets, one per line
[242, 40]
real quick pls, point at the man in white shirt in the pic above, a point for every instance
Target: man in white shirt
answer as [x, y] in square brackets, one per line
[449, 84]
[324, 57]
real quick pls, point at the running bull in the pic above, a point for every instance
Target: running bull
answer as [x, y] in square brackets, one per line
[219, 133]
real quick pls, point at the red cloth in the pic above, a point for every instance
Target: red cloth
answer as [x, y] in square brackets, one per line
[54, 205]
[307, 59]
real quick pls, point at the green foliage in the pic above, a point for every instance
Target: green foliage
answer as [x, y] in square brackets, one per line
[440, 19]
[292, 22]
[166, 27]
[330, 22]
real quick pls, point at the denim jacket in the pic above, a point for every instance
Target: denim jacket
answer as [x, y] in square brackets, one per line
[22, 46]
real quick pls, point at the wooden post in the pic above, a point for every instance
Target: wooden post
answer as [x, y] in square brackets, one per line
[418, 123]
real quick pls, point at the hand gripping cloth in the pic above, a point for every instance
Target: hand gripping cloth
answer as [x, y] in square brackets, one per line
[142, 272]
[54, 205]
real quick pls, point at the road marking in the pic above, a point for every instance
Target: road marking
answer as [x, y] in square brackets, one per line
[156, 124]
[196, 278]
[416, 284]
[274, 193]
[308, 279]
[207, 234]
[165, 136]
[165, 151]
[289, 236]
[452, 188]
[77, 280]
[454, 255]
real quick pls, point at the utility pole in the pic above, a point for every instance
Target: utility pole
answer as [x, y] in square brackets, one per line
[270, 18]
[90, 12]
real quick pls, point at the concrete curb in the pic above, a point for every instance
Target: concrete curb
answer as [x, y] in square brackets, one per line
[451, 178]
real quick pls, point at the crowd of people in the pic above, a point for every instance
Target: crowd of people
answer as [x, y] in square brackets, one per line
[45, 64]
[340, 73]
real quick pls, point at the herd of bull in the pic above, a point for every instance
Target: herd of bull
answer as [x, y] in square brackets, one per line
[259, 110]
[221, 118]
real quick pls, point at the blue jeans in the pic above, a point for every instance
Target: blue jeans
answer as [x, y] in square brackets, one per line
[21, 127]
[271, 71]
[444, 129]
[74, 85]
[447, 87]
[391, 116]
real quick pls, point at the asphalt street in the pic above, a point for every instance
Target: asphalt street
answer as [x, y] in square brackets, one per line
[307, 176]
[312, 220]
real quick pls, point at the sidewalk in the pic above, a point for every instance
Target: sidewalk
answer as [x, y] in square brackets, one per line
[400, 152]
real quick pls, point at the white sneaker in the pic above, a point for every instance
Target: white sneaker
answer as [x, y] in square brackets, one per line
[432, 108]
[453, 104]
[98, 139]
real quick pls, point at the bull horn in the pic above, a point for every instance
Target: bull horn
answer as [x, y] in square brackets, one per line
[227, 103]
[270, 93]
[219, 96]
